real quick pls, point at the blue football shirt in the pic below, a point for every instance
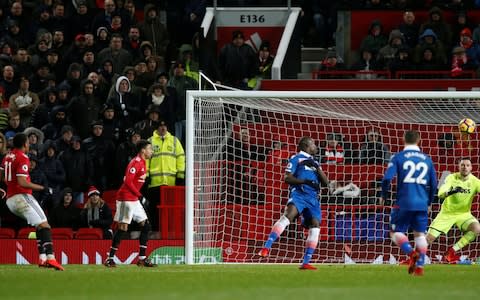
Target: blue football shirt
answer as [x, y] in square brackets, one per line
[416, 179]
[302, 172]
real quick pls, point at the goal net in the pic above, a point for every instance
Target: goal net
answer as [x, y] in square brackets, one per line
[239, 143]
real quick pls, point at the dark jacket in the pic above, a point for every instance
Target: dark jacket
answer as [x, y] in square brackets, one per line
[97, 217]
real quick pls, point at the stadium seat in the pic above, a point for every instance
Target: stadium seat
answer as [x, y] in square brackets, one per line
[89, 234]
[62, 233]
[7, 233]
[24, 232]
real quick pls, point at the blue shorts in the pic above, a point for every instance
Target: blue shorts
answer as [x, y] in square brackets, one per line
[402, 220]
[308, 207]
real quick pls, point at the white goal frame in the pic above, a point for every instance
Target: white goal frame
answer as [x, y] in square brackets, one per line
[189, 182]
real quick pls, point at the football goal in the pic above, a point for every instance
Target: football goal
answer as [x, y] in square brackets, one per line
[238, 145]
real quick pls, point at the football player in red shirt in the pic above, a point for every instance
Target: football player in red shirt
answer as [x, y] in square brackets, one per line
[129, 205]
[16, 174]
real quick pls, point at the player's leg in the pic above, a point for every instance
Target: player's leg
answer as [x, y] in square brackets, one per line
[123, 216]
[140, 216]
[25, 206]
[291, 212]
[419, 225]
[399, 224]
[471, 228]
[311, 219]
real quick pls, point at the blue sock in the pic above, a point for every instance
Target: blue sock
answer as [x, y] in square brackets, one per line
[406, 247]
[308, 255]
[271, 239]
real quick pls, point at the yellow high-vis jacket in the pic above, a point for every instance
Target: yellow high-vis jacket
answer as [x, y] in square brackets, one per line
[167, 162]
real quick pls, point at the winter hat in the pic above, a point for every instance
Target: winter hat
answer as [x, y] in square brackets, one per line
[93, 190]
[467, 32]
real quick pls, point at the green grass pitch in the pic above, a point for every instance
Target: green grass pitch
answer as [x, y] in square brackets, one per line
[239, 282]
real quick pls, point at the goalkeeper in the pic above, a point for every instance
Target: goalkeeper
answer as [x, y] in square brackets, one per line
[457, 193]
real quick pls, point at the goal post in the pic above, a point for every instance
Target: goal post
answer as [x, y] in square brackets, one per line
[235, 190]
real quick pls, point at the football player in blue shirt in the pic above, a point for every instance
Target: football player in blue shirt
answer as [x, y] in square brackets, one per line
[416, 187]
[304, 175]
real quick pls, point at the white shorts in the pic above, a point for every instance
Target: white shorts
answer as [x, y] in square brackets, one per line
[26, 207]
[128, 211]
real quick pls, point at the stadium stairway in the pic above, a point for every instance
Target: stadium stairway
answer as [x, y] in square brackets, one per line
[311, 58]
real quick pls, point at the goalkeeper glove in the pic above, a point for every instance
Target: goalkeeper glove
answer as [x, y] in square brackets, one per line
[312, 184]
[454, 190]
[309, 163]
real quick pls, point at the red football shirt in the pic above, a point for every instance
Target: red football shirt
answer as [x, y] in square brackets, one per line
[133, 180]
[16, 163]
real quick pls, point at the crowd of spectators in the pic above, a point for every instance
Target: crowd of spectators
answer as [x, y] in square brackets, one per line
[87, 79]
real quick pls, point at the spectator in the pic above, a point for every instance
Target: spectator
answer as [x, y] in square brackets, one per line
[461, 22]
[80, 20]
[65, 214]
[112, 126]
[388, 53]
[375, 39]
[41, 115]
[125, 152]
[191, 65]
[147, 126]
[243, 153]
[58, 44]
[39, 81]
[331, 62]
[101, 152]
[54, 64]
[237, 61]
[133, 42]
[126, 104]
[35, 140]
[438, 25]
[166, 167]
[17, 34]
[116, 25]
[409, 28]
[334, 152]
[181, 83]
[366, 63]
[24, 102]
[78, 169]
[14, 124]
[37, 176]
[428, 39]
[58, 118]
[84, 109]
[154, 31]
[428, 62]
[7, 82]
[279, 153]
[472, 49]
[265, 60]
[103, 19]
[102, 39]
[54, 170]
[402, 61]
[461, 62]
[96, 213]
[129, 7]
[22, 64]
[119, 57]
[373, 150]
[63, 142]
[244, 148]
[38, 53]
[100, 87]
[89, 64]
[156, 96]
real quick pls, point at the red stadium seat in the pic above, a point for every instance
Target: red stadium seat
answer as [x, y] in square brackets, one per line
[62, 233]
[7, 233]
[89, 234]
[24, 232]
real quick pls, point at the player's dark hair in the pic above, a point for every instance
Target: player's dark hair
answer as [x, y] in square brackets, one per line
[19, 140]
[303, 143]
[411, 137]
[464, 158]
[141, 144]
